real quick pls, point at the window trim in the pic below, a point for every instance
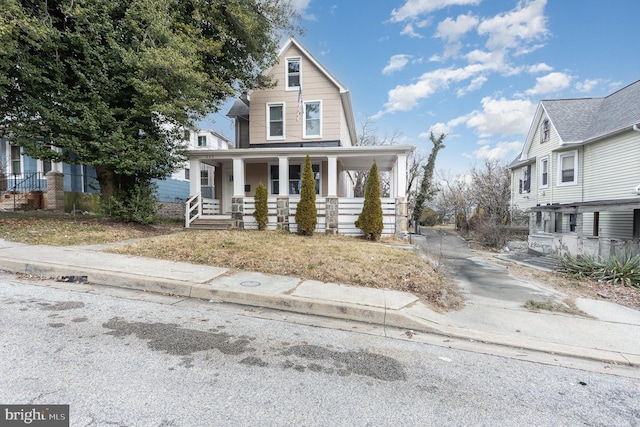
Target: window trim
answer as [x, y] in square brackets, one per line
[268, 112]
[543, 160]
[204, 137]
[304, 114]
[525, 178]
[286, 72]
[561, 156]
[10, 160]
[301, 164]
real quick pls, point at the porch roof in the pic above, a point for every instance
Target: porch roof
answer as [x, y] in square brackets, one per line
[351, 158]
[591, 206]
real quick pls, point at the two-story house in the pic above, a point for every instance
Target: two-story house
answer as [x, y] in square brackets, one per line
[579, 175]
[307, 112]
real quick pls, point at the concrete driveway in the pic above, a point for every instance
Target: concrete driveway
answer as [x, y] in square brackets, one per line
[481, 281]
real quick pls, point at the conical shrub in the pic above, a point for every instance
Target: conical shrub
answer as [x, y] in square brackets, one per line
[261, 214]
[306, 212]
[370, 219]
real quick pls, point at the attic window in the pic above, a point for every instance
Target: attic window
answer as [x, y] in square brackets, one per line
[293, 73]
[546, 131]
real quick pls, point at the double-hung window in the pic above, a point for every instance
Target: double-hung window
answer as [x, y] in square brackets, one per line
[202, 140]
[568, 168]
[275, 121]
[312, 119]
[16, 160]
[295, 178]
[293, 73]
[544, 172]
[525, 182]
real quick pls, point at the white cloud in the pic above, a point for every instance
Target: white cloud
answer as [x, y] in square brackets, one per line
[539, 68]
[409, 31]
[413, 8]
[475, 84]
[301, 6]
[502, 150]
[501, 116]
[524, 24]
[452, 30]
[550, 83]
[437, 129]
[587, 85]
[396, 63]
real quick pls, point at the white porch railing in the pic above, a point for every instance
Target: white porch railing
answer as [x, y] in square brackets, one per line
[348, 212]
[197, 207]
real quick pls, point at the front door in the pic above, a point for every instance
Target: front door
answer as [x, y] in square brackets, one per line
[227, 190]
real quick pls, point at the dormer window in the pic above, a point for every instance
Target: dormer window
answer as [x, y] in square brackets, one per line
[202, 140]
[293, 73]
[546, 131]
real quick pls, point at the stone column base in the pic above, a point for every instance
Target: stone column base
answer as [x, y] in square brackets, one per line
[54, 197]
[237, 212]
[331, 209]
[282, 212]
[402, 222]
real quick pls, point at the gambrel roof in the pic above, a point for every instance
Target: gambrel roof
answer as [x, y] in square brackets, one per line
[584, 120]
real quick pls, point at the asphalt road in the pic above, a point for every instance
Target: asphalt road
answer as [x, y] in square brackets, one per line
[478, 279]
[125, 358]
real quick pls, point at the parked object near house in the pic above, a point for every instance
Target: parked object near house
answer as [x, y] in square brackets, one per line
[307, 112]
[579, 175]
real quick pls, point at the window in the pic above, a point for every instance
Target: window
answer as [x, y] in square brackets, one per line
[636, 223]
[525, 182]
[202, 140]
[596, 223]
[16, 160]
[45, 166]
[312, 115]
[546, 131]
[275, 121]
[568, 168]
[295, 178]
[204, 177]
[544, 172]
[572, 222]
[293, 73]
[187, 173]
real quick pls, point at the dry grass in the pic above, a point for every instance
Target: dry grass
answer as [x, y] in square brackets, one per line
[337, 259]
[388, 264]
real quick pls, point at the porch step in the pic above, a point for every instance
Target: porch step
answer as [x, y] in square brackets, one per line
[212, 224]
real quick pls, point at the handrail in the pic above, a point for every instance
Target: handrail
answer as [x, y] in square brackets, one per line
[190, 206]
[29, 181]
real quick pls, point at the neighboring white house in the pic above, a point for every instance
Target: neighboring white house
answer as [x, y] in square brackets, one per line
[307, 112]
[579, 175]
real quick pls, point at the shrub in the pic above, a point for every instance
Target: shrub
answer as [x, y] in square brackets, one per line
[136, 204]
[306, 212]
[623, 269]
[261, 214]
[370, 219]
[429, 217]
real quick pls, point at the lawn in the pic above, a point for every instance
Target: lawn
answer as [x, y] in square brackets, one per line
[391, 264]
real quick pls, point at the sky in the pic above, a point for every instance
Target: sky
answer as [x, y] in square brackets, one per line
[472, 69]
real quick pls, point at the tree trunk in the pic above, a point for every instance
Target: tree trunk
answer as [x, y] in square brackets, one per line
[107, 180]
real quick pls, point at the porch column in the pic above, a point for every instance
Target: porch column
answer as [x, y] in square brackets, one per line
[331, 207]
[579, 233]
[400, 169]
[54, 197]
[237, 201]
[282, 203]
[194, 177]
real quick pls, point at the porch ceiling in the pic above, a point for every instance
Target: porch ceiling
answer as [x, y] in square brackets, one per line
[351, 158]
[592, 206]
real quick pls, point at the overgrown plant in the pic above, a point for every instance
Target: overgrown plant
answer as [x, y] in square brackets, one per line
[306, 212]
[261, 214]
[623, 269]
[135, 203]
[370, 219]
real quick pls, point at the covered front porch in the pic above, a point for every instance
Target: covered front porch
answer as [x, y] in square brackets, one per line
[598, 228]
[235, 174]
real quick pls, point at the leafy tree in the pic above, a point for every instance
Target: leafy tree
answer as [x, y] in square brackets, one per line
[306, 212]
[370, 219]
[261, 213]
[426, 186]
[111, 83]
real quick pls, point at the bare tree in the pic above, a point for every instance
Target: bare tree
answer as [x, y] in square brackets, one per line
[491, 191]
[369, 136]
[427, 189]
[453, 197]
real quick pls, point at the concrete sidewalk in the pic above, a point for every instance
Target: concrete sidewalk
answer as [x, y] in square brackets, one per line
[611, 336]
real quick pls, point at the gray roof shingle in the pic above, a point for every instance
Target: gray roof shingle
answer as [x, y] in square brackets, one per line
[578, 120]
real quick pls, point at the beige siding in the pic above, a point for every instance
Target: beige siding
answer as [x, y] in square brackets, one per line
[612, 168]
[315, 87]
[254, 173]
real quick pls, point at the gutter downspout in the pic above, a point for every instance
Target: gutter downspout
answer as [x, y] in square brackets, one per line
[636, 128]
